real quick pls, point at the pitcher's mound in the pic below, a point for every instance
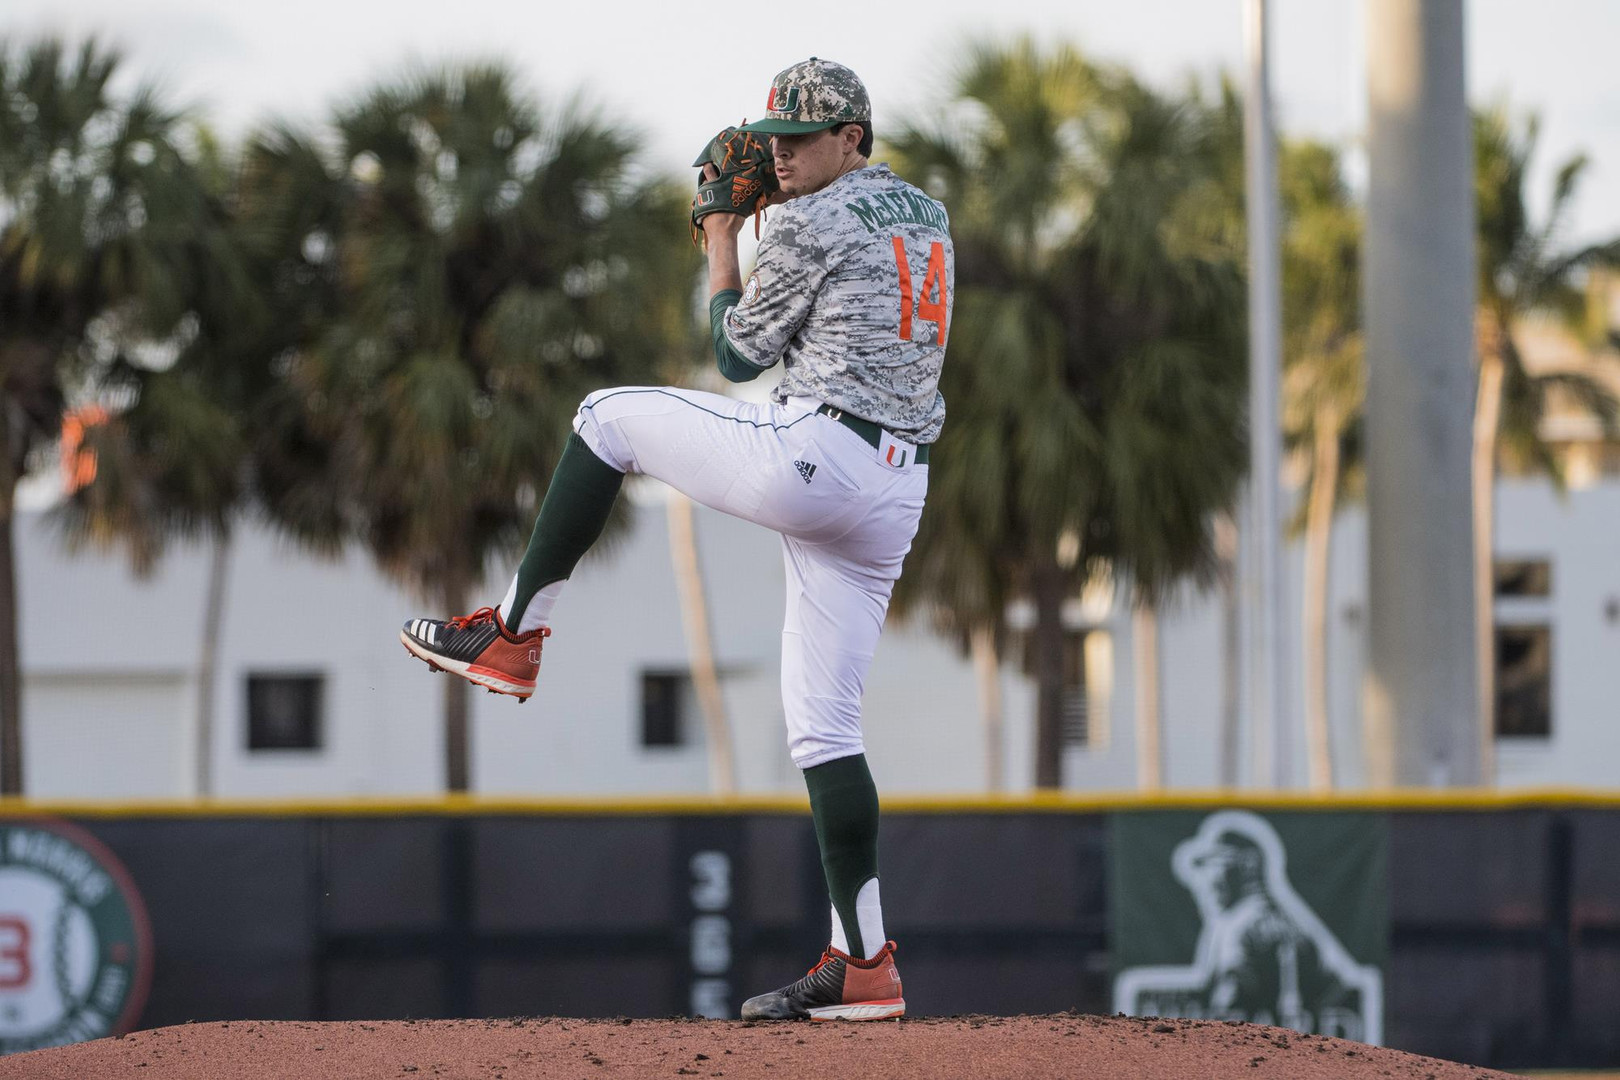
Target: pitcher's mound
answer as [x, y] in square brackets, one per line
[1016, 1047]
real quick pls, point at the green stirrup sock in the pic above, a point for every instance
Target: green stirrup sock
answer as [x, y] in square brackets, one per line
[575, 509]
[844, 802]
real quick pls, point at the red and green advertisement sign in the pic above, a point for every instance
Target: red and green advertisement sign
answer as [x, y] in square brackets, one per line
[1273, 918]
[75, 946]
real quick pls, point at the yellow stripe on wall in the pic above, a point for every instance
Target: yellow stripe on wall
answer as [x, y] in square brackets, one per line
[1056, 802]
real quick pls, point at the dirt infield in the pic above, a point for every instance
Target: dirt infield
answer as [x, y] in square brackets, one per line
[1064, 1045]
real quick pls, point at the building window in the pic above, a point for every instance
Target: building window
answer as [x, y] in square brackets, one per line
[665, 708]
[1523, 577]
[284, 711]
[1524, 681]
[1523, 659]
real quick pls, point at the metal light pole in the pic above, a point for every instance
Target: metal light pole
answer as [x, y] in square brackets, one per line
[1422, 695]
[1264, 594]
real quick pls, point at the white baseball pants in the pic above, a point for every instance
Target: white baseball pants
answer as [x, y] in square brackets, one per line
[846, 519]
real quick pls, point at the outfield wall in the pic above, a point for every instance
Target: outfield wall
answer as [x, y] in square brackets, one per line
[1492, 922]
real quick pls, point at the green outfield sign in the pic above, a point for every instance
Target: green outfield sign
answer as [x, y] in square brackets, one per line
[75, 945]
[1272, 918]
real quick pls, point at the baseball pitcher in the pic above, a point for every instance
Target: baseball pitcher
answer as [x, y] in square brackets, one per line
[851, 293]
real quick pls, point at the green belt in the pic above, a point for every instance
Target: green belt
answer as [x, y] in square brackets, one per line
[872, 433]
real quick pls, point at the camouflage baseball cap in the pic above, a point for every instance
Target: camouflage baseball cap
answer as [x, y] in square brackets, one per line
[813, 95]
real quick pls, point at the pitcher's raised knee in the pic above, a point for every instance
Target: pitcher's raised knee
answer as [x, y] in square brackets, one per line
[593, 423]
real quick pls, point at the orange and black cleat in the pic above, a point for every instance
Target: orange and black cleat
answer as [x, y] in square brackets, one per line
[839, 987]
[480, 649]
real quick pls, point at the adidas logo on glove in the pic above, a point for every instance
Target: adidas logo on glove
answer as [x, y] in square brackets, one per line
[806, 470]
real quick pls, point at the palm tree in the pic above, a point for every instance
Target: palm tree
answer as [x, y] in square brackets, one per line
[1096, 385]
[1523, 271]
[972, 551]
[1223, 210]
[1226, 582]
[683, 554]
[1325, 387]
[168, 466]
[167, 454]
[490, 263]
[104, 233]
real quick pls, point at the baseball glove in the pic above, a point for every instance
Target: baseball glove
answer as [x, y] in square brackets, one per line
[747, 178]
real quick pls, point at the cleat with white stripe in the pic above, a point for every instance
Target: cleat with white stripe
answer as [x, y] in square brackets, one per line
[839, 987]
[480, 649]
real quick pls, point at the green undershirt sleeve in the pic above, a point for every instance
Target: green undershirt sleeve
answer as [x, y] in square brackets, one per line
[732, 364]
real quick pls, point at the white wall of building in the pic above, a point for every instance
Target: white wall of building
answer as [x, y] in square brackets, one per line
[1579, 533]
[109, 677]
[109, 672]
[118, 734]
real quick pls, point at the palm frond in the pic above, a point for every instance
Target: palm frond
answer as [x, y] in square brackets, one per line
[1589, 395]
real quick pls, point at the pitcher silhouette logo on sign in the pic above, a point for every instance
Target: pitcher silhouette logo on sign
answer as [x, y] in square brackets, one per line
[1262, 954]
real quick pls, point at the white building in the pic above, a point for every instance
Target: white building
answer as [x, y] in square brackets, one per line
[309, 655]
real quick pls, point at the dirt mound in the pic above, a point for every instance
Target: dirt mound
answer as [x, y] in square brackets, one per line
[1064, 1045]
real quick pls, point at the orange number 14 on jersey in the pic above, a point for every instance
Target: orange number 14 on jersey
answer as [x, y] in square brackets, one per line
[927, 308]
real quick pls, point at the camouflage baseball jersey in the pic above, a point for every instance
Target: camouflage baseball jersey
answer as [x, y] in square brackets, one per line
[852, 292]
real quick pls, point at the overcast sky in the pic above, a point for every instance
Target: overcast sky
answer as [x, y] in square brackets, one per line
[650, 63]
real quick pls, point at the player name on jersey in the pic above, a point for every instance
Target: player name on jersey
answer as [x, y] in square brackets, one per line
[890, 208]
